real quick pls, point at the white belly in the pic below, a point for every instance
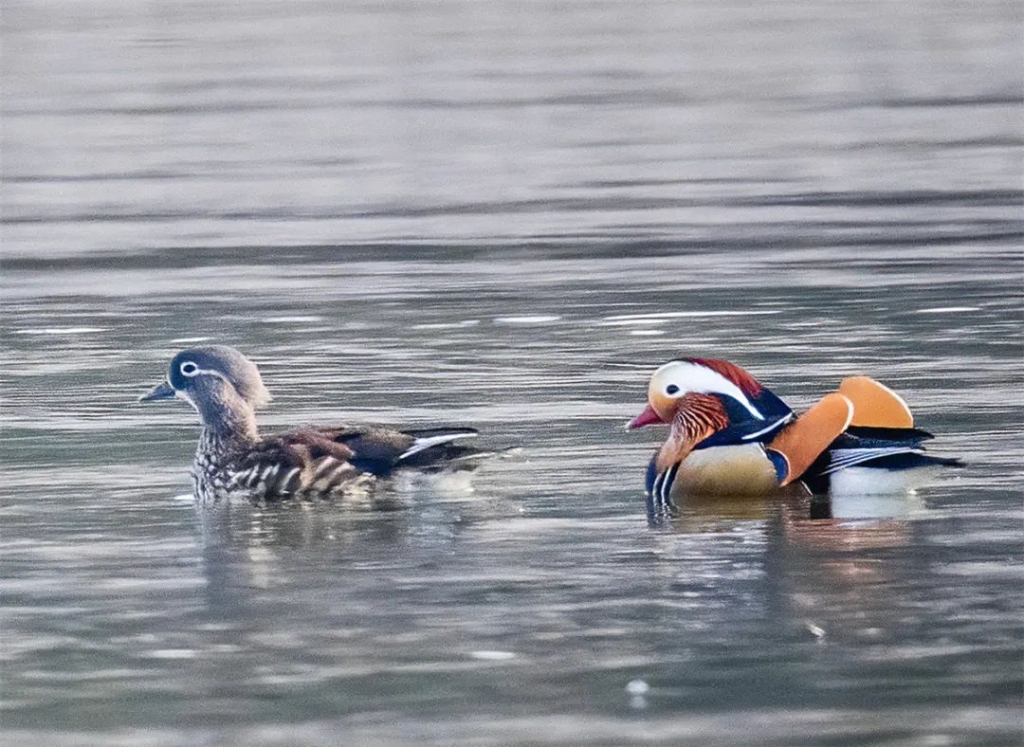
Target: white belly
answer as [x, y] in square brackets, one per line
[868, 481]
[726, 470]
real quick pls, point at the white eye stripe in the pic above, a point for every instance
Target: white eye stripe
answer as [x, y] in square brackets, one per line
[191, 370]
[691, 377]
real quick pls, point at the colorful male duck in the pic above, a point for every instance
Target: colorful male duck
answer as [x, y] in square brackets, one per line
[729, 435]
[232, 458]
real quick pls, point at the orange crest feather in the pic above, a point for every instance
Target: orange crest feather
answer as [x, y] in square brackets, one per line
[732, 372]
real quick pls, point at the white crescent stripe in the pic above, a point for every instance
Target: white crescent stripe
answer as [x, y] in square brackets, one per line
[692, 377]
[768, 429]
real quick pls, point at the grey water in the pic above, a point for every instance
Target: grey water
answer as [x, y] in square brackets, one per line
[506, 215]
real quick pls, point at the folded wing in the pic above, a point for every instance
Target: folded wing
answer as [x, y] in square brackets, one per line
[314, 461]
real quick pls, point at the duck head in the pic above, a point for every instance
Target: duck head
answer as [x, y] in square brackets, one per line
[700, 396]
[222, 385]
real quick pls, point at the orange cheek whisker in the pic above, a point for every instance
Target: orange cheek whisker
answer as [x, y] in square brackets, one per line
[697, 416]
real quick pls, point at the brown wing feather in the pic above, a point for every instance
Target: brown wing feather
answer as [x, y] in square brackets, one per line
[371, 444]
[312, 461]
[299, 462]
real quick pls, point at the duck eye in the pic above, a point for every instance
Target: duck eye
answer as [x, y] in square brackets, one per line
[671, 389]
[188, 368]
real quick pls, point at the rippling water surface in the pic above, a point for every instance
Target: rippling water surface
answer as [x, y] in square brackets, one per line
[506, 215]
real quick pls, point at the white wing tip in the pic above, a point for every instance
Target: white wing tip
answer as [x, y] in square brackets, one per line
[422, 444]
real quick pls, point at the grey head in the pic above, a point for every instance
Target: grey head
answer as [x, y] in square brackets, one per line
[212, 379]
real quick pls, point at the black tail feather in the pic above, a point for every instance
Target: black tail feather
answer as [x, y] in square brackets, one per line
[912, 461]
[863, 437]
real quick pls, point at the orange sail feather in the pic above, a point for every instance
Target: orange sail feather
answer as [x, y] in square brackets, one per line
[811, 433]
[875, 405]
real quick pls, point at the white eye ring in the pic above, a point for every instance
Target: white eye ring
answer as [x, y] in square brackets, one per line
[188, 368]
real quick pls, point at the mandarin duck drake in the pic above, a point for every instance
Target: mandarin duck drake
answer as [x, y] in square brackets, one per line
[233, 459]
[730, 435]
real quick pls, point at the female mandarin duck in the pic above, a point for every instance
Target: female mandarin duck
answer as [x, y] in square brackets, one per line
[731, 436]
[232, 458]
